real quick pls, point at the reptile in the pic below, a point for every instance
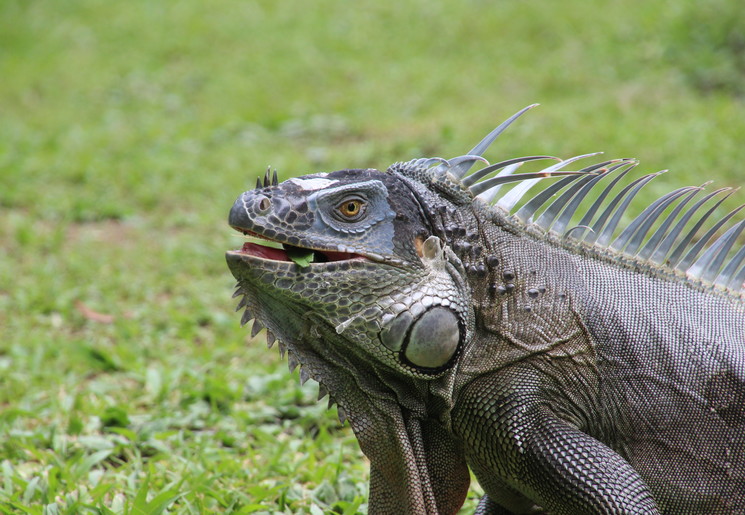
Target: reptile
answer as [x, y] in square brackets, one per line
[573, 360]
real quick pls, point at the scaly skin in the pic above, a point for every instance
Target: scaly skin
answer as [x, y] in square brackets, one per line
[568, 380]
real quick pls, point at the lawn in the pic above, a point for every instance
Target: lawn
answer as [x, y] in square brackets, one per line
[127, 129]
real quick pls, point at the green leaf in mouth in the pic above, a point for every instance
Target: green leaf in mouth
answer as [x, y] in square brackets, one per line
[301, 257]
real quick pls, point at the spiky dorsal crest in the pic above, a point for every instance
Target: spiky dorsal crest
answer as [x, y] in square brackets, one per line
[666, 234]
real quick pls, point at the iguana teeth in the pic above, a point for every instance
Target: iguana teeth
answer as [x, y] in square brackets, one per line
[292, 361]
[256, 329]
[246, 317]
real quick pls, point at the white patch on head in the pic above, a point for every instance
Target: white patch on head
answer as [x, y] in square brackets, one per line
[313, 184]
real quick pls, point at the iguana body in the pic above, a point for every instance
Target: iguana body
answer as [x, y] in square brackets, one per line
[572, 368]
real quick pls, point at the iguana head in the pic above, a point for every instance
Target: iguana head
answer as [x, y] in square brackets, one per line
[349, 263]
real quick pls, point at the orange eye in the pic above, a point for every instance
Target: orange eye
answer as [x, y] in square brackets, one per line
[351, 208]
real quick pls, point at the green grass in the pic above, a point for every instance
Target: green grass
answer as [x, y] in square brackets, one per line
[127, 129]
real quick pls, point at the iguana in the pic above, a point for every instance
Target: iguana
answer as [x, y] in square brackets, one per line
[575, 363]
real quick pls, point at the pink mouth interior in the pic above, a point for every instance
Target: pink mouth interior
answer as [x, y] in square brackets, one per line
[253, 249]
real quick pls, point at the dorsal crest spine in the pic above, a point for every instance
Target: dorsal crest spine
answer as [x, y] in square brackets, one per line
[659, 236]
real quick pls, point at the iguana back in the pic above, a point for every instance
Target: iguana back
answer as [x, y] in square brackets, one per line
[663, 383]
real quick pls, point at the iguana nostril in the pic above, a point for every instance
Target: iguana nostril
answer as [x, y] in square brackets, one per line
[264, 204]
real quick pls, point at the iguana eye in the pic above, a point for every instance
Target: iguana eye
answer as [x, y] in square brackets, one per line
[351, 209]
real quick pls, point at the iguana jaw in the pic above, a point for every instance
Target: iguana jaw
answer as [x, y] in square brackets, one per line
[278, 251]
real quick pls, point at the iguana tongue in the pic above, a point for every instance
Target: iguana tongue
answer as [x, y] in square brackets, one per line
[261, 251]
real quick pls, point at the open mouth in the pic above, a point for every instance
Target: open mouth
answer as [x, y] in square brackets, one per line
[265, 248]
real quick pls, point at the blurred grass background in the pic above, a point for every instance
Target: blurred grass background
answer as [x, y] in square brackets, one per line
[127, 129]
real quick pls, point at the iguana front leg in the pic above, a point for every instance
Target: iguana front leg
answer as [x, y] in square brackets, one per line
[446, 466]
[415, 465]
[516, 444]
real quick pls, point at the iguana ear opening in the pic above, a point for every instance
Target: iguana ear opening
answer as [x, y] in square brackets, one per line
[419, 246]
[428, 247]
